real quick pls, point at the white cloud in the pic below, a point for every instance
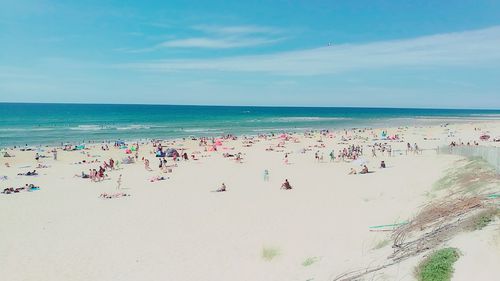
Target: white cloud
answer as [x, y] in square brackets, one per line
[238, 29]
[222, 37]
[217, 43]
[461, 48]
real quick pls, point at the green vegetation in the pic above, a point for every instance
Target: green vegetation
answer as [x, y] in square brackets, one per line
[269, 253]
[438, 266]
[484, 218]
[310, 261]
[472, 177]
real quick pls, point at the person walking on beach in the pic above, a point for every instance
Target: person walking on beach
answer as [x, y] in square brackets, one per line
[266, 175]
[146, 165]
[332, 156]
[119, 182]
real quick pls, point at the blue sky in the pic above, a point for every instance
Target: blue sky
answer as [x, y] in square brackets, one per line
[443, 54]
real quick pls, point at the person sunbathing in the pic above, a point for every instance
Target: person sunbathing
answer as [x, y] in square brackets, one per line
[286, 185]
[115, 195]
[238, 158]
[34, 173]
[83, 175]
[31, 187]
[157, 178]
[8, 190]
[352, 172]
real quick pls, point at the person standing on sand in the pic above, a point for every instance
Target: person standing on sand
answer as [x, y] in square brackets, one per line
[285, 161]
[119, 182]
[54, 153]
[266, 175]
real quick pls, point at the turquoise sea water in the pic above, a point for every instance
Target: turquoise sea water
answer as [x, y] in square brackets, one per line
[33, 124]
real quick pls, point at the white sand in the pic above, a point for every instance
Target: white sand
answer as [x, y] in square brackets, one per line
[178, 230]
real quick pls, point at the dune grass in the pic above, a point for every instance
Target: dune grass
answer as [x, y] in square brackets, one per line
[381, 244]
[269, 253]
[438, 266]
[309, 261]
[482, 219]
[471, 177]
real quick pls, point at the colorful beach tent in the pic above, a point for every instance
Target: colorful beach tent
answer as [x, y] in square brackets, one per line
[171, 152]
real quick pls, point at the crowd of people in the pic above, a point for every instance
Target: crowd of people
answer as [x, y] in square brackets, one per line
[99, 174]
[349, 153]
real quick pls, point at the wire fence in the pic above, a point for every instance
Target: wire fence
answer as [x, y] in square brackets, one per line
[490, 154]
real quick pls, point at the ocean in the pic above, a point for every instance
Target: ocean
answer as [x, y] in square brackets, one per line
[46, 124]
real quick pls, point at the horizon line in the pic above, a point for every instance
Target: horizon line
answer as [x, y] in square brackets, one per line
[261, 106]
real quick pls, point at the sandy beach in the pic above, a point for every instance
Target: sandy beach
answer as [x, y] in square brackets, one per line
[179, 229]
